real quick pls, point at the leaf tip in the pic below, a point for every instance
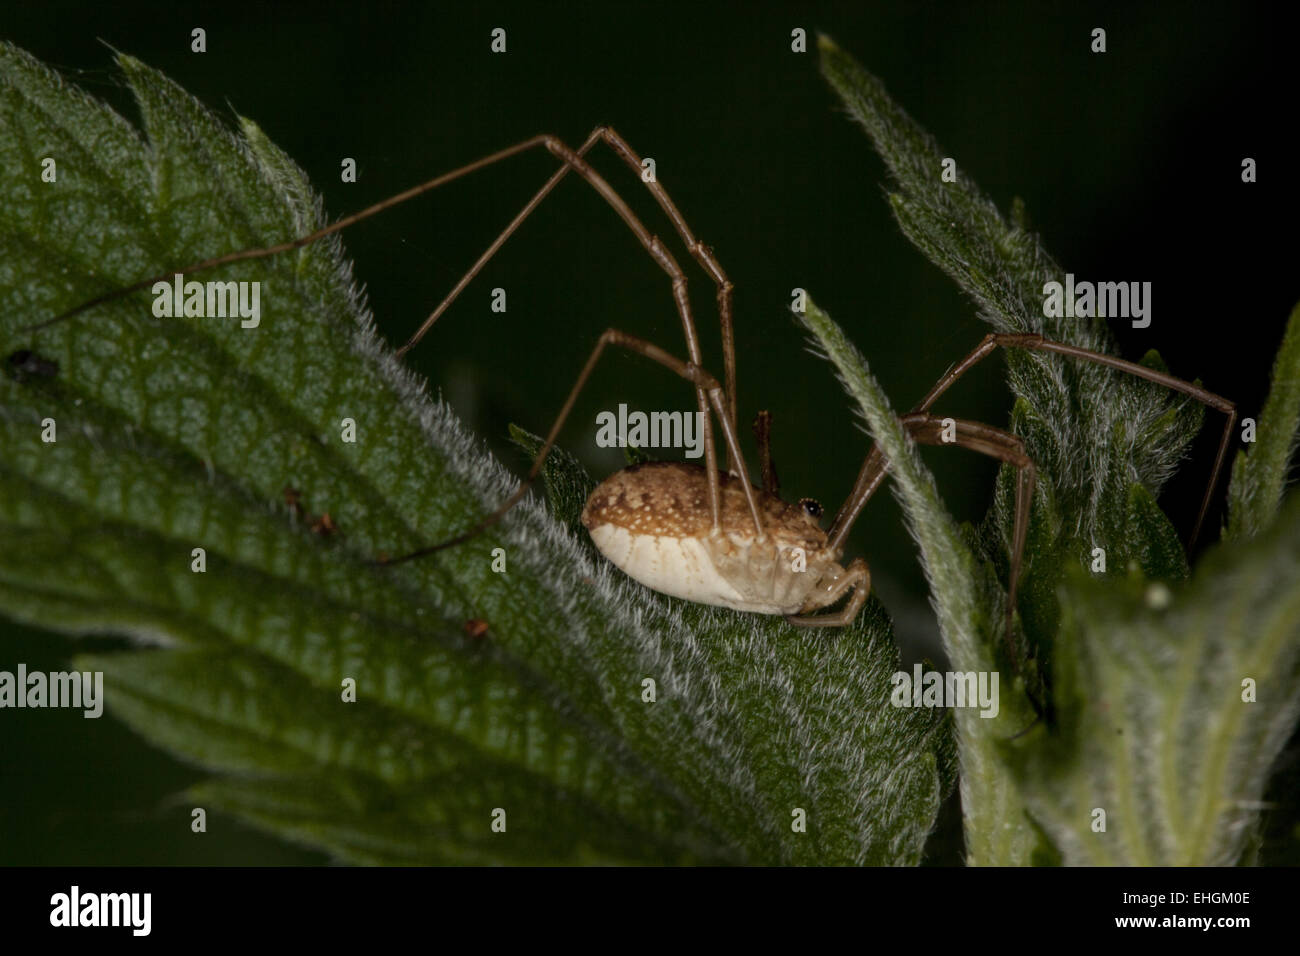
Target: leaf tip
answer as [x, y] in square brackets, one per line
[127, 62]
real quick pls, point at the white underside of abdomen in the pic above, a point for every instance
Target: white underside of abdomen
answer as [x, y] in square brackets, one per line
[682, 567]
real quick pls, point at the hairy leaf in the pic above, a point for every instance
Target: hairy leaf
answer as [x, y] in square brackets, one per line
[1173, 703]
[1147, 718]
[969, 610]
[1083, 420]
[1260, 474]
[182, 503]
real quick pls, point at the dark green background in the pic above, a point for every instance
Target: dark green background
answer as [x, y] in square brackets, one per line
[1129, 163]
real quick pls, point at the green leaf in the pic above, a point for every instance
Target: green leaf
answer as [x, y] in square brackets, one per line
[1144, 716]
[1156, 726]
[423, 798]
[969, 608]
[1259, 475]
[180, 434]
[568, 486]
[1088, 429]
[1086, 419]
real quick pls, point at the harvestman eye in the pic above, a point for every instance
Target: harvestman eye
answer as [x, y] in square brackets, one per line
[698, 532]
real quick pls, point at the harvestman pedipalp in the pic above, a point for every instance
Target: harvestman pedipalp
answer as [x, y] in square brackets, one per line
[695, 532]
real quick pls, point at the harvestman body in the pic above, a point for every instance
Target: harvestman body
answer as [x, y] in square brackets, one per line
[653, 522]
[697, 532]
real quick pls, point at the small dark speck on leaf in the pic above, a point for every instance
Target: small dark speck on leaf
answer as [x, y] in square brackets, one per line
[25, 365]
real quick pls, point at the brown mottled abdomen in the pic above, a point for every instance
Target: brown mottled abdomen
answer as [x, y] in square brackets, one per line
[653, 521]
[672, 498]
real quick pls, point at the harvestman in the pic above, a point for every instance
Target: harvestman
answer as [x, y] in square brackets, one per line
[695, 532]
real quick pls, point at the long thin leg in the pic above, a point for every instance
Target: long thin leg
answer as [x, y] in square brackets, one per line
[496, 244]
[867, 479]
[572, 160]
[1006, 447]
[766, 467]
[658, 252]
[1002, 445]
[687, 370]
[267, 251]
[702, 254]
